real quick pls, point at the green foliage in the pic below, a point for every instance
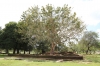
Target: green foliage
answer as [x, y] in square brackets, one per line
[73, 47]
[41, 47]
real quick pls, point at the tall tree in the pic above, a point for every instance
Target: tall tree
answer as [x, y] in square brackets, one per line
[57, 25]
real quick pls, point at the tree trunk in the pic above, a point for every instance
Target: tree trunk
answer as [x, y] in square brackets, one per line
[14, 50]
[90, 51]
[43, 51]
[7, 51]
[94, 52]
[24, 51]
[87, 51]
[17, 50]
[29, 51]
[52, 49]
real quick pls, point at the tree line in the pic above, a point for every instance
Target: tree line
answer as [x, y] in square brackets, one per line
[47, 29]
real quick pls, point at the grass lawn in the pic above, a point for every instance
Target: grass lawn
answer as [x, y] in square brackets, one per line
[90, 60]
[50, 63]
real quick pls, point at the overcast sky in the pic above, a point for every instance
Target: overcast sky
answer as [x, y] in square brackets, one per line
[87, 10]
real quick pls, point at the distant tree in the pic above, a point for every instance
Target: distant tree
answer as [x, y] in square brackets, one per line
[88, 41]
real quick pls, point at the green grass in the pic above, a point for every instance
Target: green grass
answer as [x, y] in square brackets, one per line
[50, 63]
[90, 60]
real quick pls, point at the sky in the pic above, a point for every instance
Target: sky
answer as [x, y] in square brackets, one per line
[87, 10]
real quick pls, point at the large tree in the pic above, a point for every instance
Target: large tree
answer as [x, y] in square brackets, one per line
[89, 41]
[55, 24]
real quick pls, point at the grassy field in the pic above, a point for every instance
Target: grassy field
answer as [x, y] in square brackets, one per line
[89, 60]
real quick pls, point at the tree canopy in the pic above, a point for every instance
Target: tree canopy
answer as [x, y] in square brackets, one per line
[57, 25]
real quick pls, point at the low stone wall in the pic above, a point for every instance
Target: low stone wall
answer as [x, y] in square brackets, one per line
[72, 57]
